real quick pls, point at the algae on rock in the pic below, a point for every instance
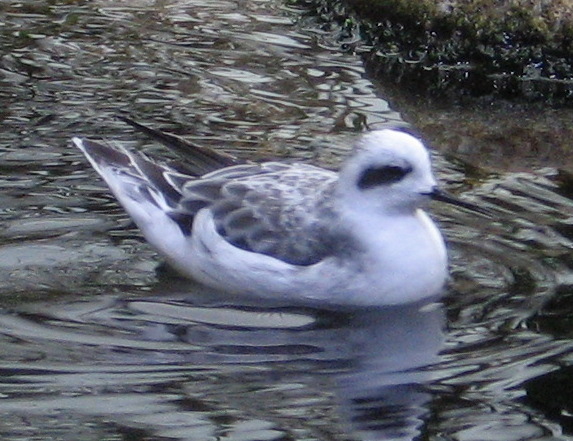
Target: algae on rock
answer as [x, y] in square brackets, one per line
[509, 49]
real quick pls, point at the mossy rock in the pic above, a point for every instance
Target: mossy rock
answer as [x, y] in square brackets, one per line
[519, 49]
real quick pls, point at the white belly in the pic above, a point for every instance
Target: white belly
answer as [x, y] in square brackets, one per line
[405, 263]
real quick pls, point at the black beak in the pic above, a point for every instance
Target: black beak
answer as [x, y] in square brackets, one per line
[442, 196]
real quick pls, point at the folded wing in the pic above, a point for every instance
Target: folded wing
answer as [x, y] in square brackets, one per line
[280, 210]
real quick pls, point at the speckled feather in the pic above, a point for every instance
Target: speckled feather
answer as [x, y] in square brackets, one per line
[274, 209]
[280, 210]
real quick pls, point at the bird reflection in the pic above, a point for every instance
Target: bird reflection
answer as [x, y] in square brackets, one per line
[378, 361]
[383, 395]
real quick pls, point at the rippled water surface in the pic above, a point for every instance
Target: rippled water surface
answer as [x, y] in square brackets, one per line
[98, 341]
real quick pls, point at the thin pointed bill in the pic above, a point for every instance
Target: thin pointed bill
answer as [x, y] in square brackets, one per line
[442, 196]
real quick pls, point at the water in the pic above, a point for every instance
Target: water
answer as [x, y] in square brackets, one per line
[98, 343]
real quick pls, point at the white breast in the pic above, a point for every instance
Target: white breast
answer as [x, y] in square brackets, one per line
[405, 263]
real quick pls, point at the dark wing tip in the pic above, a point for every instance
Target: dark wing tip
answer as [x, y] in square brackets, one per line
[103, 157]
[199, 159]
[101, 153]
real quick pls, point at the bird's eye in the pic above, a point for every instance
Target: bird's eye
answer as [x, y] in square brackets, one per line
[375, 176]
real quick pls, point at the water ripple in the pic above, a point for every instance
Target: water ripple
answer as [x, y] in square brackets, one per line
[94, 338]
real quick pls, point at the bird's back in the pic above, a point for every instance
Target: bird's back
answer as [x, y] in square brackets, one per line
[283, 211]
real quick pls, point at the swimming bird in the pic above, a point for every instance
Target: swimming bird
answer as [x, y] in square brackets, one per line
[292, 232]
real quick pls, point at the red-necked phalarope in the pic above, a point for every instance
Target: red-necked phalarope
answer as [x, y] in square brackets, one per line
[291, 231]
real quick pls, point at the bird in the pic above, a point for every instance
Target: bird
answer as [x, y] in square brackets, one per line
[291, 232]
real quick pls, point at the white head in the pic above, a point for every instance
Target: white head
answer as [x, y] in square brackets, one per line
[389, 172]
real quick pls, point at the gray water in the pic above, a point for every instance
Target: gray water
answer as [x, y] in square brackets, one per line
[98, 341]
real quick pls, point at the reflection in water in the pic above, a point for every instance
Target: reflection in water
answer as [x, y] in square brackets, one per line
[171, 362]
[260, 80]
[383, 394]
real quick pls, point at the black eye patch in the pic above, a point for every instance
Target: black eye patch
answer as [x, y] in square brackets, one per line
[389, 174]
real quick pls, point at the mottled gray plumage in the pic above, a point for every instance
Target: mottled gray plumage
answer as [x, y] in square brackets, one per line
[281, 210]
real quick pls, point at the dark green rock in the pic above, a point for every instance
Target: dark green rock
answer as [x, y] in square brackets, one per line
[515, 49]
